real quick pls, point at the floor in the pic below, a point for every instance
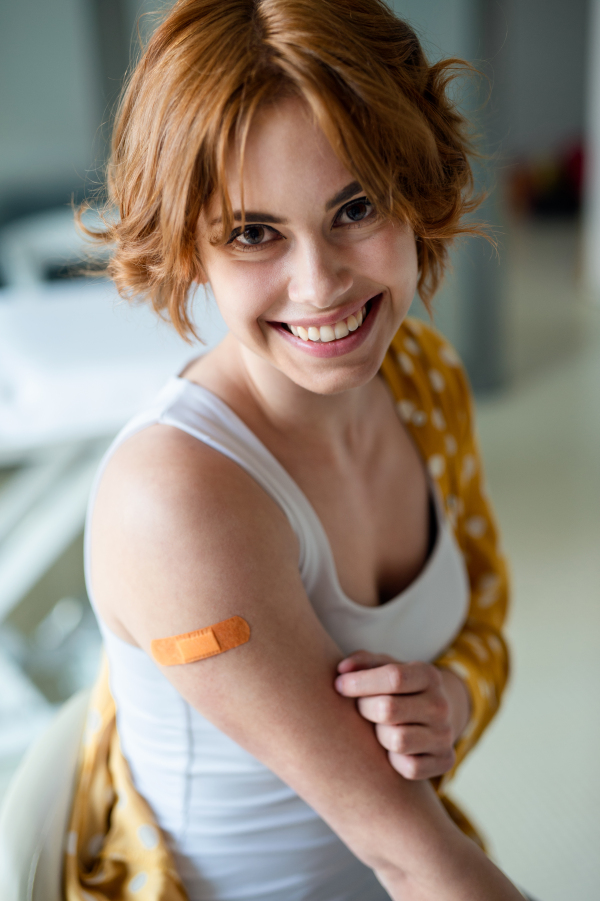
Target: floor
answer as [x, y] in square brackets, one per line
[533, 784]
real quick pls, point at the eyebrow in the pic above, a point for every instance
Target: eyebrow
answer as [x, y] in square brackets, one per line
[345, 194]
[256, 216]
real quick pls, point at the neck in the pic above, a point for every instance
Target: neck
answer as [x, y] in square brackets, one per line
[289, 409]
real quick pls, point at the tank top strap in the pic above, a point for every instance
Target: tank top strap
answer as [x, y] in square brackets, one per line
[202, 414]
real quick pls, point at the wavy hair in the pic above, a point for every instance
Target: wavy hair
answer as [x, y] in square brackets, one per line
[211, 64]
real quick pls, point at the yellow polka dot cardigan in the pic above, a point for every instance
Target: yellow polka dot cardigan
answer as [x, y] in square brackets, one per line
[114, 848]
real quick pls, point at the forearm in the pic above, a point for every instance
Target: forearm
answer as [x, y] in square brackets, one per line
[468, 876]
[420, 855]
[438, 862]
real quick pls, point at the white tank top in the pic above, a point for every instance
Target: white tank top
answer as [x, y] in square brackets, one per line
[235, 829]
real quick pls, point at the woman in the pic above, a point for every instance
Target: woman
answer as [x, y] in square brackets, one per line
[272, 513]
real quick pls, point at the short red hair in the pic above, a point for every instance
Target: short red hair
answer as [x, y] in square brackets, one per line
[207, 69]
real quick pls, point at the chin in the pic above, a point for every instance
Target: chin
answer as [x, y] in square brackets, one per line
[328, 384]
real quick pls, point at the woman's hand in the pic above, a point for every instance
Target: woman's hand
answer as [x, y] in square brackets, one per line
[419, 710]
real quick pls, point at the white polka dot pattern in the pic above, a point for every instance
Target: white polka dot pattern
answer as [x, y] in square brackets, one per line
[406, 363]
[450, 444]
[138, 882]
[478, 647]
[436, 465]
[469, 468]
[486, 689]
[437, 419]
[438, 382]
[488, 589]
[406, 408]
[470, 729]
[449, 356]
[495, 644]
[459, 669]
[455, 505]
[434, 385]
[476, 526]
[95, 843]
[148, 835]
[71, 843]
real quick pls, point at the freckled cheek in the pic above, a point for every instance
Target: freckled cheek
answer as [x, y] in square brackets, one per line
[392, 261]
[246, 294]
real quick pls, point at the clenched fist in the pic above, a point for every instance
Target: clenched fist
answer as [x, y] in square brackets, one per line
[419, 710]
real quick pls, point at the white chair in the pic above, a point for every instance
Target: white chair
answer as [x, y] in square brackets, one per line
[34, 815]
[35, 811]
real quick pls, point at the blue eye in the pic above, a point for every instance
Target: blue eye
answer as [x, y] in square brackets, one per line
[355, 212]
[253, 237]
[253, 234]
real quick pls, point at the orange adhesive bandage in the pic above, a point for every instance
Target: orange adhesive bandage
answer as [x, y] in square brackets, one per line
[202, 643]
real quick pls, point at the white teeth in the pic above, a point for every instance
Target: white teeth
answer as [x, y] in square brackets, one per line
[328, 333]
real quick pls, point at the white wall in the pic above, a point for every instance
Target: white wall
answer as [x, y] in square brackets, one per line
[468, 307]
[591, 234]
[540, 47]
[48, 107]
[444, 27]
[534, 51]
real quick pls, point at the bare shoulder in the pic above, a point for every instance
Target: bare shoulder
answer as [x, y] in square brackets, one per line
[172, 513]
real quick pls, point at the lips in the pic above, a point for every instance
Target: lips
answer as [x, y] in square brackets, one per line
[325, 334]
[339, 347]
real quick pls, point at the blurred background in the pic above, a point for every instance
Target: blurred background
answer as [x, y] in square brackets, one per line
[75, 364]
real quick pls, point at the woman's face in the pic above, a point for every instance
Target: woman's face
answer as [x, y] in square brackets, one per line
[313, 259]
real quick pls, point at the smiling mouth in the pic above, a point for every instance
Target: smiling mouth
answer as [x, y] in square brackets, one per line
[326, 333]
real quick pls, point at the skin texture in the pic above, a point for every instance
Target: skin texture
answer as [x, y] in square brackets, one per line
[182, 537]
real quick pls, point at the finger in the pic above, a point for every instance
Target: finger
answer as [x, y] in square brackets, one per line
[426, 766]
[360, 660]
[391, 678]
[415, 740]
[424, 709]
[395, 710]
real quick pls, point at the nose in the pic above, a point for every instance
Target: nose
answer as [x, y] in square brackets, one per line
[318, 275]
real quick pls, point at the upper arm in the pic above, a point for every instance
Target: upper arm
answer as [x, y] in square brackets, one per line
[182, 538]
